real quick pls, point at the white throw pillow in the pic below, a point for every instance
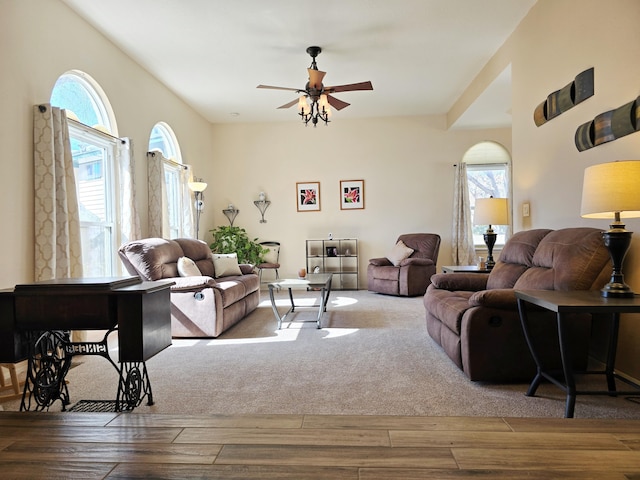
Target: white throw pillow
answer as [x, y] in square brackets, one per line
[271, 256]
[226, 264]
[188, 268]
[399, 252]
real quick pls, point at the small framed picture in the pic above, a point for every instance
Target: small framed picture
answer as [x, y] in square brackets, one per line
[351, 194]
[332, 251]
[308, 196]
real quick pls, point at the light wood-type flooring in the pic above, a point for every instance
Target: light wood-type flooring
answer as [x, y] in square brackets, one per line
[130, 445]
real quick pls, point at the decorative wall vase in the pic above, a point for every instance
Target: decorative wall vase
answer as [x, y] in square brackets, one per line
[609, 126]
[567, 97]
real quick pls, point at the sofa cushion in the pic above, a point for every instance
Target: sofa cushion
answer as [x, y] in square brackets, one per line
[187, 267]
[152, 258]
[446, 306]
[567, 259]
[399, 252]
[234, 288]
[516, 257]
[199, 252]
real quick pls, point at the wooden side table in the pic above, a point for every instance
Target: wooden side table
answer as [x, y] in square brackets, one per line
[464, 269]
[563, 303]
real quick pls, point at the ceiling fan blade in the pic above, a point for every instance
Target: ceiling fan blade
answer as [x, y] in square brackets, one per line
[337, 104]
[315, 77]
[280, 88]
[290, 104]
[349, 88]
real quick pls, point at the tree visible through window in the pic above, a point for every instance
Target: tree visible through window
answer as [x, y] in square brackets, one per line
[487, 176]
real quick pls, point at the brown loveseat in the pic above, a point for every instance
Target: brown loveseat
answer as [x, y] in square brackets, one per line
[201, 305]
[474, 317]
[410, 277]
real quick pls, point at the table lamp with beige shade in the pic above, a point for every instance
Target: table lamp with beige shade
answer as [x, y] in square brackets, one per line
[612, 190]
[491, 211]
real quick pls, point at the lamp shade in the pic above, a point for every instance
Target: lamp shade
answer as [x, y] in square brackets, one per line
[611, 187]
[491, 211]
[197, 186]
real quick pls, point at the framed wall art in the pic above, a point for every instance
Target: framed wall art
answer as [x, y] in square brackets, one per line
[308, 196]
[351, 194]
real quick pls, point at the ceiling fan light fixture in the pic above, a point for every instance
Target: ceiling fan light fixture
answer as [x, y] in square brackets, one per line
[314, 104]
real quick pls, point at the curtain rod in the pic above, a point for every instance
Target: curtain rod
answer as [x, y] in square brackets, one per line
[181, 165]
[43, 108]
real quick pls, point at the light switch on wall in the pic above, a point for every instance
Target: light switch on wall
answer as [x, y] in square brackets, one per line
[525, 209]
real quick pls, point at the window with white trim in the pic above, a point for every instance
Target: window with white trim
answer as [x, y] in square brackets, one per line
[487, 176]
[163, 139]
[94, 151]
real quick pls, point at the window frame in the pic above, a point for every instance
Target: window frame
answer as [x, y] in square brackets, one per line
[489, 155]
[109, 144]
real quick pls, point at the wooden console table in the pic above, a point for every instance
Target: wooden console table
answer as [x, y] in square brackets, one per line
[45, 312]
[563, 303]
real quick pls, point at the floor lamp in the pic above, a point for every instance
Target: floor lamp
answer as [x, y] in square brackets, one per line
[491, 211]
[612, 190]
[197, 187]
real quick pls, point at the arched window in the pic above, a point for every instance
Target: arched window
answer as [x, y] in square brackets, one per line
[163, 139]
[94, 149]
[84, 100]
[176, 177]
[488, 176]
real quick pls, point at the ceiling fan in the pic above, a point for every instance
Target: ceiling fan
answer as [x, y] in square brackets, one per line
[316, 99]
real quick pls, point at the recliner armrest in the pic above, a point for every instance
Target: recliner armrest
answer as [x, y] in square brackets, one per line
[470, 282]
[504, 298]
[380, 262]
[192, 284]
[246, 268]
[419, 262]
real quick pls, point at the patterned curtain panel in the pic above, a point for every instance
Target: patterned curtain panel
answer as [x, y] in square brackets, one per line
[188, 203]
[462, 251]
[58, 251]
[129, 219]
[158, 209]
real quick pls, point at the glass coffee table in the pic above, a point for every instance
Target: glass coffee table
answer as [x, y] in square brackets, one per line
[313, 281]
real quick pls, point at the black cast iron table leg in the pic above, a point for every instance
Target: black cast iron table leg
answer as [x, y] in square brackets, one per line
[525, 328]
[611, 353]
[567, 368]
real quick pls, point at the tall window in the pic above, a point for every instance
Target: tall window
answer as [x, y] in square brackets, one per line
[94, 153]
[164, 140]
[487, 176]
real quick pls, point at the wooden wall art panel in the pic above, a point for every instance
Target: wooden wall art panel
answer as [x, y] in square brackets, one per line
[567, 97]
[609, 126]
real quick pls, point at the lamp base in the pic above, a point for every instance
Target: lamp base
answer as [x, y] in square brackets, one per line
[490, 240]
[617, 290]
[617, 241]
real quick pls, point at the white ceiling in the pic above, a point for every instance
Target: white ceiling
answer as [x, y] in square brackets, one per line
[420, 55]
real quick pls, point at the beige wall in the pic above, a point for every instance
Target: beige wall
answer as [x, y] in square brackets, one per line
[557, 40]
[40, 40]
[406, 163]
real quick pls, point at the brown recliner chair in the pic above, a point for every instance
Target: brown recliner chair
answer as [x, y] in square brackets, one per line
[409, 276]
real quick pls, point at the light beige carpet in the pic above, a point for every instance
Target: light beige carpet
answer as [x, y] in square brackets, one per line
[374, 356]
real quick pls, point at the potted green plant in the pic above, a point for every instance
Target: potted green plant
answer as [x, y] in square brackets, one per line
[235, 240]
